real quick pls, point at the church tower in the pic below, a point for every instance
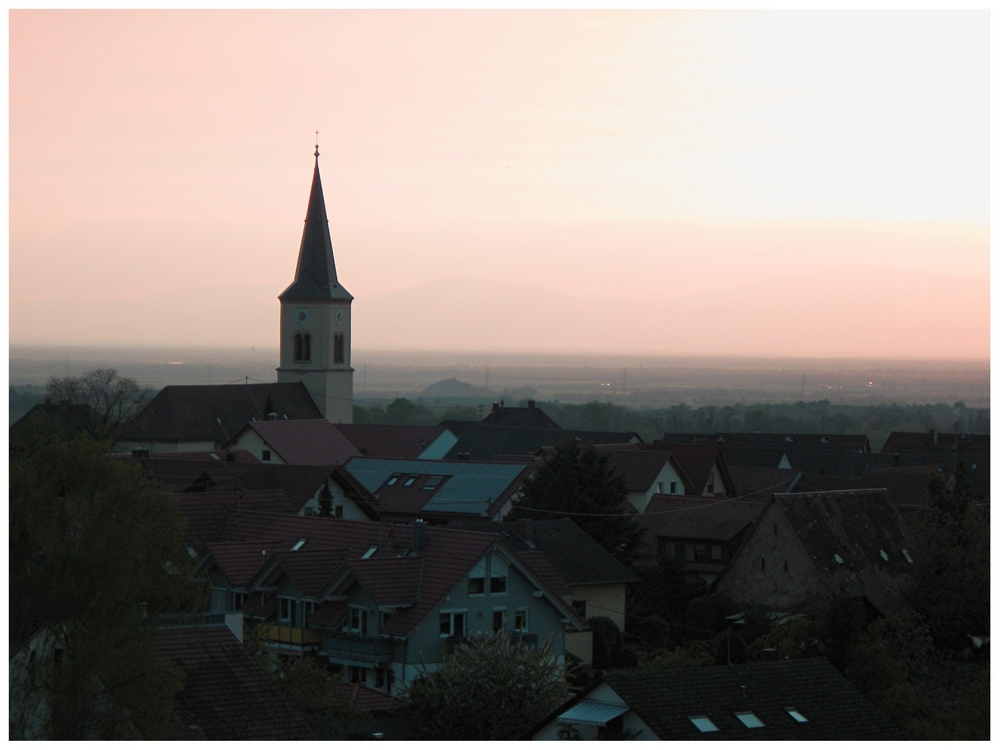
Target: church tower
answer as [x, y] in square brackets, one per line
[316, 319]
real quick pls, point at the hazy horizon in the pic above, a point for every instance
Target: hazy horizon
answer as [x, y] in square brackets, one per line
[736, 183]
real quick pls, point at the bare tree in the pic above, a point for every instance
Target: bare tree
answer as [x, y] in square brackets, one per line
[113, 399]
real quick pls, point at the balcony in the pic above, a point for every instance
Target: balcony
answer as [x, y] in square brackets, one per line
[450, 644]
[293, 636]
[360, 648]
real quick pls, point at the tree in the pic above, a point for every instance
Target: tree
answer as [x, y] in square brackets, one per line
[578, 482]
[96, 552]
[325, 500]
[112, 399]
[660, 590]
[491, 688]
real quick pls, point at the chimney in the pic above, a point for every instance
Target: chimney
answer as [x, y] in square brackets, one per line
[419, 535]
[496, 407]
[769, 654]
[897, 460]
[934, 436]
[531, 404]
[272, 417]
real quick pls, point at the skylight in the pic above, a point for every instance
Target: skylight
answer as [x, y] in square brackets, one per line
[369, 553]
[796, 715]
[432, 482]
[410, 480]
[749, 719]
[907, 556]
[392, 480]
[298, 545]
[703, 723]
[884, 555]
[838, 558]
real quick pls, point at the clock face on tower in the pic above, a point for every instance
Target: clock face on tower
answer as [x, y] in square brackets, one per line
[301, 316]
[339, 317]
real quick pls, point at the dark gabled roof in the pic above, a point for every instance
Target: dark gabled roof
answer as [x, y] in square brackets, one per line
[836, 460]
[865, 531]
[370, 701]
[899, 442]
[390, 440]
[239, 562]
[309, 568]
[697, 461]
[764, 456]
[518, 416]
[202, 413]
[907, 485]
[858, 442]
[457, 426]
[299, 483]
[483, 441]
[642, 467]
[302, 442]
[226, 694]
[316, 273]
[238, 456]
[203, 511]
[72, 417]
[759, 482]
[571, 551]
[679, 517]
[834, 708]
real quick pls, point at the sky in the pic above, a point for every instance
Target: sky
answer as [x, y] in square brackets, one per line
[160, 163]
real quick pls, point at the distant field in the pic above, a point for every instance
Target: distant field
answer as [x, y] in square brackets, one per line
[635, 381]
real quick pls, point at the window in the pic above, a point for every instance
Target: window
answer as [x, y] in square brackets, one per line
[384, 616]
[703, 723]
[477, 579]
[359, 675]
[358, 622]
[297, 347]
[700, 552]
[392, 480]
[265, 455]
[379, 677]
[762, 563]
[667, 547]
[750, 721]
[298, 545]
[369, 552]
[659, 488]
[796, 715]
[673, 488]
[521, 620]
[338, 511]
[286, 609]
[432, 483]
[716, 551]
[786, 566]
[498, 575]
[410, 480]
[453, 623]
[306, 348]
[338, 348]
[239, 600]
[500, 619]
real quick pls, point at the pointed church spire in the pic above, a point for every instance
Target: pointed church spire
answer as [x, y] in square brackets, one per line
[316, 274]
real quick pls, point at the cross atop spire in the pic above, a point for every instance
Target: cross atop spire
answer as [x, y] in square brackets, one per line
[316, 273]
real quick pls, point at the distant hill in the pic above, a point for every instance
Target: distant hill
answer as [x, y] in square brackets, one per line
[454, 388]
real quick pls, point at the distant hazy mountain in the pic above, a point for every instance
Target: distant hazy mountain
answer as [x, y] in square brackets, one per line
[854, 311]
[454, 388]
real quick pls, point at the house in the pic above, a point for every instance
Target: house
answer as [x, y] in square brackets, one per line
[906, 485]
[944, 450]
[518, 416]
[596, 579]
[301, 442]
[439, 491]
[802, 699]
[702, 534]
[647, 473]
[226, 694]
[399, 441]
[206, 417]
[858, 443]
[481, 442]
[704, 465]
[69, 418]
[382, 602]
[760, 482]
[805, 547]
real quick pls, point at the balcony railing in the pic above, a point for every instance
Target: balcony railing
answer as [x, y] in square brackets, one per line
[293, 636]
[450, 644]
[356, 647]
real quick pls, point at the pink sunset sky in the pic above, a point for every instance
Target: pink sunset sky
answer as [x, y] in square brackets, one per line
[745, 183]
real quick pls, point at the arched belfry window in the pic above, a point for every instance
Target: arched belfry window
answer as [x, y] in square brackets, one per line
[338, 348]
[306, 347]
[297, 347]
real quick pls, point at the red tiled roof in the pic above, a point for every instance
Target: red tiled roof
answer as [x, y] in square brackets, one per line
[226, 694]
[674, 516]
[390, 580]
[203, 511]
[239, 562]
[311, 569]
[303, 442]
[368, 700]
[260, 605]
[329, 614]
[390, 440]
[539, 564]
[642, 467]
